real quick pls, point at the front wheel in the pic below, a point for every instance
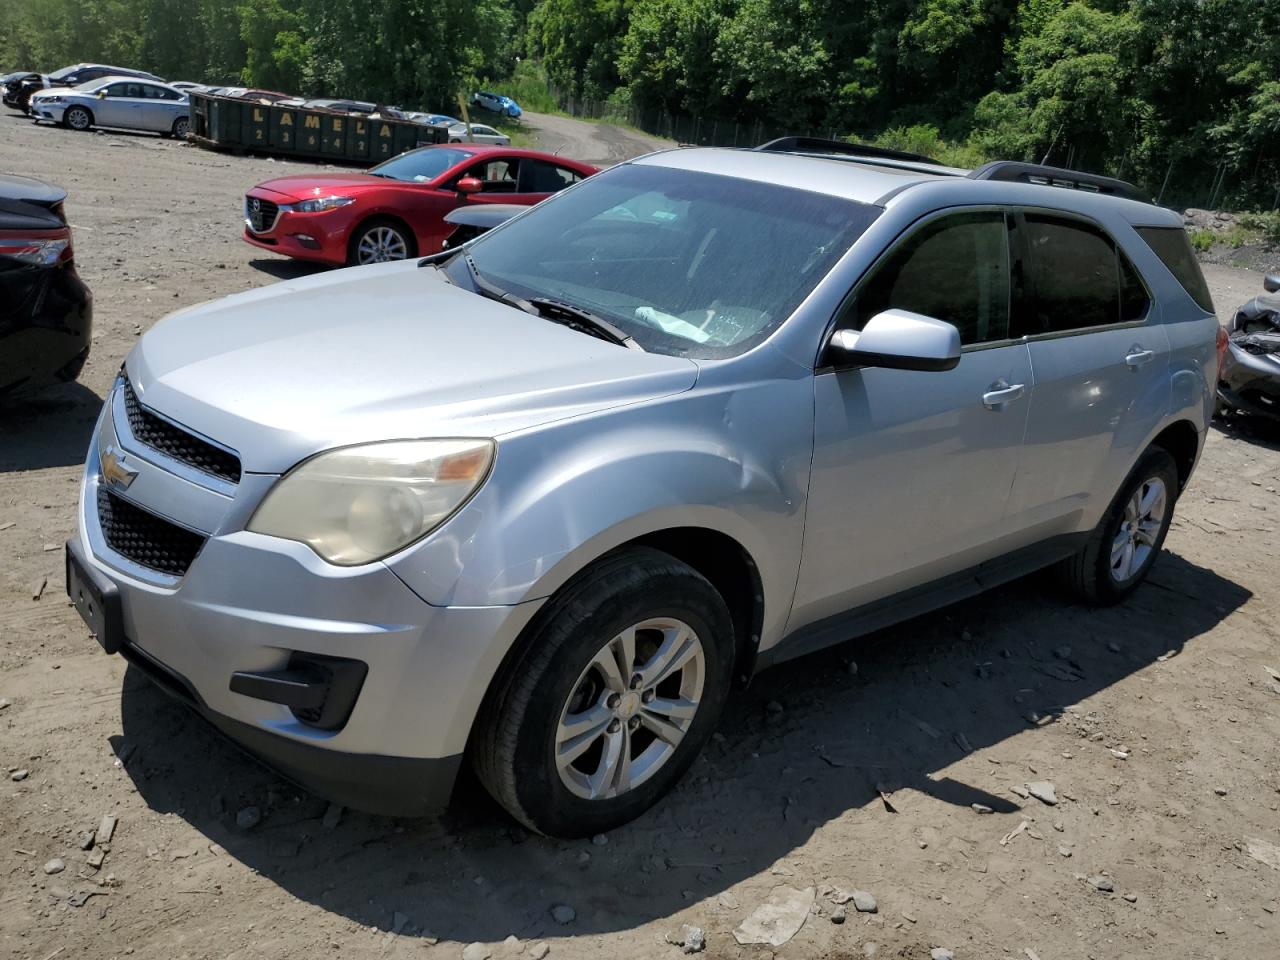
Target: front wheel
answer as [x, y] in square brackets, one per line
[380, 241]
[180, 128]
[619, 686]
[1121, 550]
[78, 118]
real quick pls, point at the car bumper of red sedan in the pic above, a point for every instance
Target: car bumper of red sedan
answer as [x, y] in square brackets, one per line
[271, 225]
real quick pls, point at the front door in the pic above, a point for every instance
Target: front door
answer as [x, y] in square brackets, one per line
[115, 108]
[912, 470]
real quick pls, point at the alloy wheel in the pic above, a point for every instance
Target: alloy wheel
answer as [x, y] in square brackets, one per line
[77, 119]
[630, 708]
[380, 245]
[180, 129]
[1140, 527]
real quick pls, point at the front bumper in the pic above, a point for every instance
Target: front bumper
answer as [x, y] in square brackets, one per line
[1250, 383]
[318, 237]
[50, 112]
[251, 603]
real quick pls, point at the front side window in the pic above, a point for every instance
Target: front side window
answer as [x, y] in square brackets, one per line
[1073, 277]
[688, 263]
[955, 269]
[497, 176]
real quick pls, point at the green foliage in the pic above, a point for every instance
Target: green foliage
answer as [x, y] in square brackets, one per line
[925, 140]
[578, 41]
[1202, 240]
[1182, 96]
[416, 53]
[527, 86]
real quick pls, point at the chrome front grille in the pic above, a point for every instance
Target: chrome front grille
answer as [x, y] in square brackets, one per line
[260, 215]
[173, 441]
[144, 538]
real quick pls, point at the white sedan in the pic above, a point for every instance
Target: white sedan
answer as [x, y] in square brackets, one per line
[124, 102]
[479, 134]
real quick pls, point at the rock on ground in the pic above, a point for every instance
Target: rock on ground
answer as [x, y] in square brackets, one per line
[778, 919]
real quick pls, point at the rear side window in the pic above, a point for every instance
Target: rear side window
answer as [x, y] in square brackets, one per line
[955, 269]
[1072, 277]
[1174, 250]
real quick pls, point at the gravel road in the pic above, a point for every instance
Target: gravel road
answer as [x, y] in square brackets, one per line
[1156, 723]
[601, 144]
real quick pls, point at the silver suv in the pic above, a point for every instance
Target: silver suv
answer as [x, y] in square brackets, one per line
[536, 503]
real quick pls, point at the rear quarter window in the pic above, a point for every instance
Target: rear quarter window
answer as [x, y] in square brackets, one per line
[1173, 248]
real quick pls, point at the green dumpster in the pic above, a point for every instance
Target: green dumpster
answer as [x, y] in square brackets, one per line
[223, 123]
[283, 130]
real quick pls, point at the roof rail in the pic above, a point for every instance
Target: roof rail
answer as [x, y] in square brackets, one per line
[1015, 172]
[822, 145]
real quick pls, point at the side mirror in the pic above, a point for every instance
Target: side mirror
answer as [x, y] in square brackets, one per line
[470, 185]
[1271, 282]
[897, 340]
[101, 94]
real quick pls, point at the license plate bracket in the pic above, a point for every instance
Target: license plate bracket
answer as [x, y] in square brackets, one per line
[97, 600]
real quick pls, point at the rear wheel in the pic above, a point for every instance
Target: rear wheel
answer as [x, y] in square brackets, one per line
[1130, 535]
[616, 691]
[378, 241]
[78, 118]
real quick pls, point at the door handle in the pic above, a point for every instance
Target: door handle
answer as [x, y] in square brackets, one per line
[1136, 356]
[1002, 393]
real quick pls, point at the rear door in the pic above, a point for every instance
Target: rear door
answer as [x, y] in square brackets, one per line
[160, 108]
[1101, 361]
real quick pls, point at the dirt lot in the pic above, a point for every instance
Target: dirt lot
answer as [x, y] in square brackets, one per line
[1157, 723]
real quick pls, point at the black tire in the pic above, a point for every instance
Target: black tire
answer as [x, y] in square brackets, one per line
[374, 224]
[1219, 408]
[78, 118]
[513, 747]
[1089, 574]
[180, 127]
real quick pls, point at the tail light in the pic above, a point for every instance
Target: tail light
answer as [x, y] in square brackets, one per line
[1221, 347]
[44, 249]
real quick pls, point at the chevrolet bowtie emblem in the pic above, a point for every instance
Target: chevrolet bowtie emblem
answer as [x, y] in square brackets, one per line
[114, 470]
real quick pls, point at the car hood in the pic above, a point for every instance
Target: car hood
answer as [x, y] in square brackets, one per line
[384, 352]
[305, 186]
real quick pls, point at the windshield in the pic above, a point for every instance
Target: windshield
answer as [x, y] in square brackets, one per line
[419, 166]
[64, 73]
[689, 264]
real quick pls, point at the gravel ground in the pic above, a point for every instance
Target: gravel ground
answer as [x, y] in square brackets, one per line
[601, 144]
[1156, 723]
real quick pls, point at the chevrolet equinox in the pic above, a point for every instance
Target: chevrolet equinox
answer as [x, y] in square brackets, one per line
[535, 503]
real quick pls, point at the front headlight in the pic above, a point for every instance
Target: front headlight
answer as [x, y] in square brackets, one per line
[319, 204]
[355, 505]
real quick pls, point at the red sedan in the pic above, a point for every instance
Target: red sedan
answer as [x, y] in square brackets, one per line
[396, 209]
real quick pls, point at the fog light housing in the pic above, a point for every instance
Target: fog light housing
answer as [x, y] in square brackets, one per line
[308, 241]
[319, 691]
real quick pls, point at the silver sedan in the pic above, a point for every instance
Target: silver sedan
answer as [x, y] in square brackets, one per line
[124, 102]
[480, 133]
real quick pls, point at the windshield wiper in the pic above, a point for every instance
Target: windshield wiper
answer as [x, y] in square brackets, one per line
[487, 288]
[584, 321]
[557, 311]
